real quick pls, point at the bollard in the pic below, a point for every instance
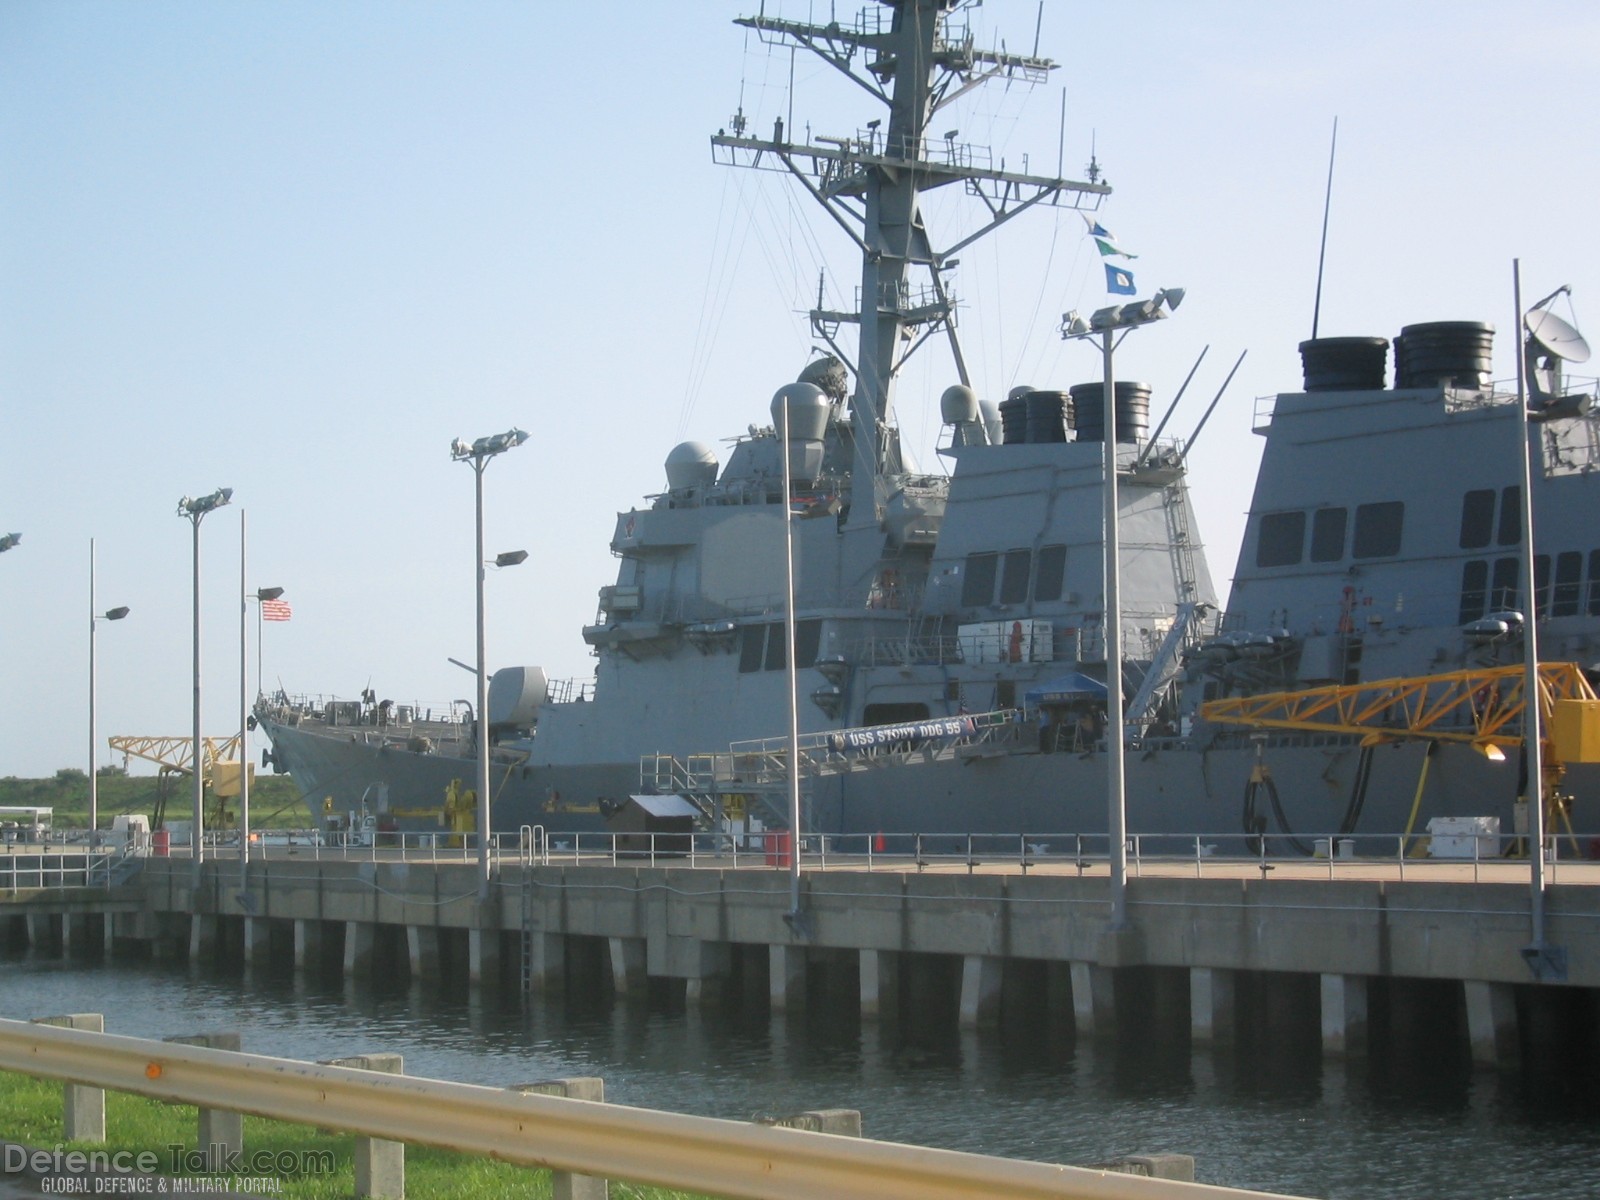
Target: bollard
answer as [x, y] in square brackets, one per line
[843, 1121]
[83, 1110]
[380, 1165]
[564, 1185]
[221, 1132]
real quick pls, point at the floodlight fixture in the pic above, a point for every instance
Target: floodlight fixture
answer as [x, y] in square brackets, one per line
[8, 540]
[510, 558]
[194, 509]
[487, 447]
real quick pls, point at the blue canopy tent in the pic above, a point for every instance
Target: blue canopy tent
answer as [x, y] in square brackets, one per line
[1073, 688]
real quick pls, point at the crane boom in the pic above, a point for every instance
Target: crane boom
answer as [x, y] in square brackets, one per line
[1481, 707]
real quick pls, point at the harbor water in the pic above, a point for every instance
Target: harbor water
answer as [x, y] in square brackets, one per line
[1263, 1114]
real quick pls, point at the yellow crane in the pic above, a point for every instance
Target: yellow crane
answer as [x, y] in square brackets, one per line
[219, 766]
[1480, 707]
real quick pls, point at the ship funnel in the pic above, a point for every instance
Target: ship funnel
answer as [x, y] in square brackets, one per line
[1444, 352]
[1345, 364]
[1048, 415]
[691, 465]
[1133, 411]
[1014, 416]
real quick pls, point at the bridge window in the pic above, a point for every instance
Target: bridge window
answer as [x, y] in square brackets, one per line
[752, 648]
[1280, 539]
[1051, 573]
[977, 587]
[1327, 534]
[1474, 589]
[1477, 518]
[1014, 576]
[1593, 607]
[1378, 529]
[1541, 584]
[761, 647]
[807, 642]
[1510, 516]
[1503, 591]
[1569, 584]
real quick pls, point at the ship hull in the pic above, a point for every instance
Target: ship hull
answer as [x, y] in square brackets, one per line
[1172, 789]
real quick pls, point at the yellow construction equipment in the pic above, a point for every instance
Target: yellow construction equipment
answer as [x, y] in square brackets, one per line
[1482, 708]
[219, 766]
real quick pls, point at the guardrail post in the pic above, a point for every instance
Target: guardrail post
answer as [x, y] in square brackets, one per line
[843, 1121]
[221, 1132]
[83, 1109]
[1178, 1167]
[380, 1165]
[564, 1185]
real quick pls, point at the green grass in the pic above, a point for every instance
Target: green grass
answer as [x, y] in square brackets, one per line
[30, 1113]
[274, 800]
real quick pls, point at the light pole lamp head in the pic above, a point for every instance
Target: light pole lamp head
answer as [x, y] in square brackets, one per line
[510, 558]
[194, 509]
[8, 540]
[487, 447]
[1073, 325]
[269, 593]
[116, 614]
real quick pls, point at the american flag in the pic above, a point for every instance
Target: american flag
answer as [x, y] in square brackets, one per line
[276, 610]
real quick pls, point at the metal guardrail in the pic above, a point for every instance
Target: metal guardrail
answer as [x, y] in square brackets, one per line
[703, 1154]
[1333, 855]
[62, 860]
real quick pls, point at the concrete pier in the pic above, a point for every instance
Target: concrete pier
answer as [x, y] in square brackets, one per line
[1211, 1005]
[1344, 1015]
[1289, 962]
[786, 978]
[1492, 1023]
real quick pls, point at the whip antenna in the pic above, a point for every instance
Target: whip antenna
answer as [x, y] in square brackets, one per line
[1322, 253]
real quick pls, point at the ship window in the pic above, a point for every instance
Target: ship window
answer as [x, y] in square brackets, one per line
[1541, 584]
[1510, 516]
[777, 643]
[1378, 528]
[752, 648]
[1051, 572]
[977, 588]
[1474, 589]
[1477, 518]
[807, 641]
[1327, 534]
[1280, 539]
[1503, 592]
[1014, 577]
[1594, 583]
[1569, 576]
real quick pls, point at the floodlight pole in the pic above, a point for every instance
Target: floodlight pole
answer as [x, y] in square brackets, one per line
[95, 617]
[791, 671]
[1116, 790]
[194, 512]
[244, 720]
[1103, 326]
[477, 456]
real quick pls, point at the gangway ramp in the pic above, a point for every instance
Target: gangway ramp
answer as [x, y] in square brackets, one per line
[755, 773]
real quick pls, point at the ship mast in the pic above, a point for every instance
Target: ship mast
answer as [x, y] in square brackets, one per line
[915, 62]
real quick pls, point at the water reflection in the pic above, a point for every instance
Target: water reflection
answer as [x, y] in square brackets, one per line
[1267, 1112]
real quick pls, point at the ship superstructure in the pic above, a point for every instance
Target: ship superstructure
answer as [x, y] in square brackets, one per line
[951, 604]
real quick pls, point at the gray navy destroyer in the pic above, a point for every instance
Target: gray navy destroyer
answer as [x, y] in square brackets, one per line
[948, 632]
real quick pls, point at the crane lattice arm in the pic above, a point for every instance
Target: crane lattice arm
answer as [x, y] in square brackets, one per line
[176, 754]
[1480, 707]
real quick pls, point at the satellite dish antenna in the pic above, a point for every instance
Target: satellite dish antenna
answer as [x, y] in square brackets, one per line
[1556, 336]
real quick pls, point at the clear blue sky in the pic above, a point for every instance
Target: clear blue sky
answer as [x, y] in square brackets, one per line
[296, 248]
